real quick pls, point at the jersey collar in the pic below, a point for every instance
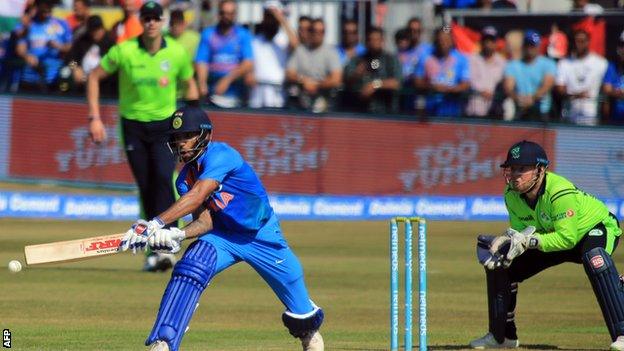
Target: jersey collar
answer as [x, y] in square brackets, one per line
[163, 43]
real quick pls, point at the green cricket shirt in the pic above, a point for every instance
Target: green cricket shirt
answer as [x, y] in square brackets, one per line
[147, 83]
[563, 214]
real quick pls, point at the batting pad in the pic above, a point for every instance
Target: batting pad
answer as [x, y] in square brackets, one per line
[190, 277]
[606, 284]
[499, 289]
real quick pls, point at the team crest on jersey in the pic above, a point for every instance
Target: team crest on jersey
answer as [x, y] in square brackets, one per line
[163, 82]
[54, 29]
[570, 213]
[219, 201]
[165, 65]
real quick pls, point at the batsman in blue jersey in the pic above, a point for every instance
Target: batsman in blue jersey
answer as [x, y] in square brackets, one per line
[232, 222]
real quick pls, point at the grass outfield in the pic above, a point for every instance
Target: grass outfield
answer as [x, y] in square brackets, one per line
[108, 304]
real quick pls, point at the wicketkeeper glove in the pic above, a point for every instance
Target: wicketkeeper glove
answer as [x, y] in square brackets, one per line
[521, 241]
[491, 250]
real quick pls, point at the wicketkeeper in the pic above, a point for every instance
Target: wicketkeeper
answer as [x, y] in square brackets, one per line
[552, 222]
[232, 221]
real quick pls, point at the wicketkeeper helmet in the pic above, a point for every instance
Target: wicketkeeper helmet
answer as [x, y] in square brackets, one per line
[526, 153]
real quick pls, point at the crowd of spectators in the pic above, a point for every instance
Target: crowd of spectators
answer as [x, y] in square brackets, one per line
[272, 65]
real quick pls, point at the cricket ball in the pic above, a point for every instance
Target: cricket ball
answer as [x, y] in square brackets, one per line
[15, 266]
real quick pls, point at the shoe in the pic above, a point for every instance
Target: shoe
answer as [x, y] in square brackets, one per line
[313, 342]
[159, 346]
[618, 344]
[159, 262]
[488, 342]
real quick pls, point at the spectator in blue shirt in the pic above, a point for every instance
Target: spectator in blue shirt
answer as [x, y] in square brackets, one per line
[406, 58]
[350, 46]
[42, 48]
[414, 26]
[529, 81]
[613, 87]
[455, 4]
[411, 50]
[445, 75]
[11, 64]
[224, 56]
[441, 5]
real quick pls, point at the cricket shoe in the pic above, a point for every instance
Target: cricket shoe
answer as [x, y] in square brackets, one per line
[313, 342]
[618, 344]
[159, 345]
[488, 342]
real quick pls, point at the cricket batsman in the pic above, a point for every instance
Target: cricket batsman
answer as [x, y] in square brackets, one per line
[552, 222]
[232, 222]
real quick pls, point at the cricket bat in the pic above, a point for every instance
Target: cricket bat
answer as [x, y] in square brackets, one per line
[72, 250]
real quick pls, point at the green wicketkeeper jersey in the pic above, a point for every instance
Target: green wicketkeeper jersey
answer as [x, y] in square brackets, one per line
[147, 83]
[563, 214]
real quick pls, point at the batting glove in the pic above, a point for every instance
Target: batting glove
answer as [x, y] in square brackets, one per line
[136, 237]
[166, 240]
[521, 241]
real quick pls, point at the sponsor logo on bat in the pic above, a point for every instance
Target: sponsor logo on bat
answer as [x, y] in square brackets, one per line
[102, 246]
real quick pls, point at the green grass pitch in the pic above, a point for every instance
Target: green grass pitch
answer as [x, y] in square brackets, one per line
[109, 304]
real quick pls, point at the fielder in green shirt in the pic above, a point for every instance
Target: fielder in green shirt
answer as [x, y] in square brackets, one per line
[150, 69]
[551, 222]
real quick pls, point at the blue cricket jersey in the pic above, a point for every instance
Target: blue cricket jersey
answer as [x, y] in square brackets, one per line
[223, 53]
[450, 71]
[240, 204]
[37, 38]
[342, 53]
[615, 77]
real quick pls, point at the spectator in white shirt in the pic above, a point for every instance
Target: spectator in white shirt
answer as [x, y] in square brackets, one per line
[578, 81]
[274, 40]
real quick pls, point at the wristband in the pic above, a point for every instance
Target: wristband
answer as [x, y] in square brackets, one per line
[158, 221]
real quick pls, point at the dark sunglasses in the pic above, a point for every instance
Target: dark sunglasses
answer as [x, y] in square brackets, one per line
[148, 19]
